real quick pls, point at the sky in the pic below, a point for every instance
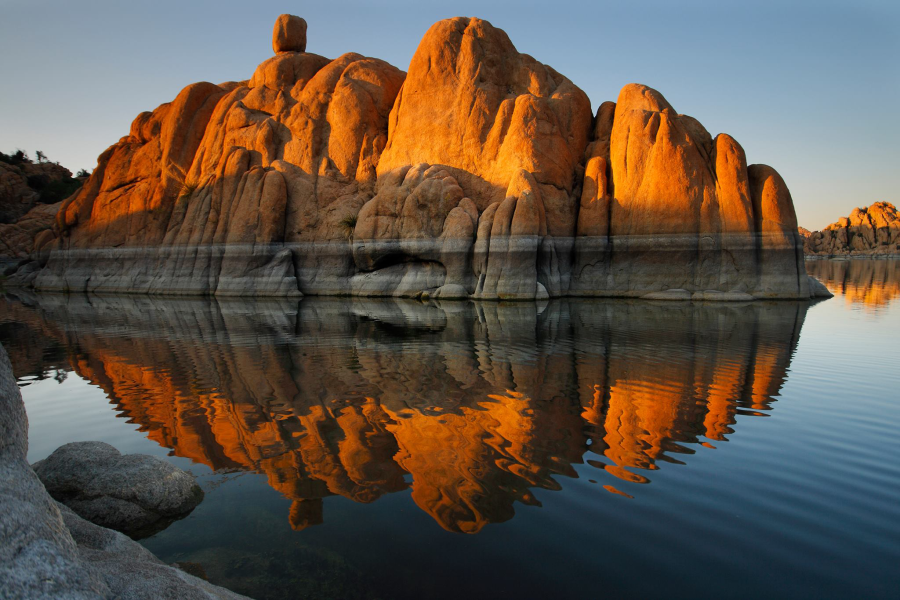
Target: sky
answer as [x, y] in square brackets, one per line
[806, 87]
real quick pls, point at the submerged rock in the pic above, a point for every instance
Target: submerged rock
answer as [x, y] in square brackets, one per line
[817, 289]
[132, 493]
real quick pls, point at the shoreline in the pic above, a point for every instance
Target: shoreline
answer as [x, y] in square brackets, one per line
[851, 256]
[48, 551]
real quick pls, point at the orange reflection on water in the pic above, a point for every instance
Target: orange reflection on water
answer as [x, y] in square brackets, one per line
[473, 407]
[871, 282]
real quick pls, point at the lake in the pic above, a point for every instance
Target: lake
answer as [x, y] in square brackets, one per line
[396, 449]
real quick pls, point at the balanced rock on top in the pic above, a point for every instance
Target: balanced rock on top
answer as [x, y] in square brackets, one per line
[289, 34]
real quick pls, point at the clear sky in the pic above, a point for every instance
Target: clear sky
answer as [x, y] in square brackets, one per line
[807, 87]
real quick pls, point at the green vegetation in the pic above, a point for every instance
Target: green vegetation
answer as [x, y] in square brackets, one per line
[348, 224]
[188, 188]
[52, 191]
[17, 158]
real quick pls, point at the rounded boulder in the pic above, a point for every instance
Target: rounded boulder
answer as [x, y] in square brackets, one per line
[289, 34]
[133, 493]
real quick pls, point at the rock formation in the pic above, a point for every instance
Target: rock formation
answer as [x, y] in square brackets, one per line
[481, 173]
[509, 132]
[135, 493]
[870, 231]
[25, 184]
[30, 196]
[289, 34]
[47, 551]
[672, 212]
[29, 233]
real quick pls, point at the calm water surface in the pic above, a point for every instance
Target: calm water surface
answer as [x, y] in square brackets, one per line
[576, 448]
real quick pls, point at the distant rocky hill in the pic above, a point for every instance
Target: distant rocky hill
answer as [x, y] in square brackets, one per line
[30, 196]
[870, 231]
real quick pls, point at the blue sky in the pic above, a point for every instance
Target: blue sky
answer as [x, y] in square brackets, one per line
[807, 87]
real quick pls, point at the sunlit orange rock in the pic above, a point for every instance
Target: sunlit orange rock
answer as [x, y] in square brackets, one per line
[208, 191]
[472, 102]
[490, 116]
[289, 34]
[482, 173]
[684, 214]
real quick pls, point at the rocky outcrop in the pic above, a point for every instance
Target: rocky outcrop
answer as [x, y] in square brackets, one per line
[870, 231]
[47, 551]
[31, 232]
[208, 194]
[670, 211]
[136, 494]
[493, 117]
[25, 184]
[481, 173]
[30, 195]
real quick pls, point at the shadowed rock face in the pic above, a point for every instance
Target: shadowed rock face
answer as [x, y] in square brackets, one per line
[870, 231]
[30, 197]
[479, 403]
[480, 173]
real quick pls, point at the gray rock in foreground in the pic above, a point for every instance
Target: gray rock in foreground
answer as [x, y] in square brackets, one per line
[47, 551]
[134, 493]
[817, 289]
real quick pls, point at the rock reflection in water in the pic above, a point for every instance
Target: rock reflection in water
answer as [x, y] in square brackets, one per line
[874, 283]
[479, 403]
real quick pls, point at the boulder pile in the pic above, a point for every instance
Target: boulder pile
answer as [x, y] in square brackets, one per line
[870, 231]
